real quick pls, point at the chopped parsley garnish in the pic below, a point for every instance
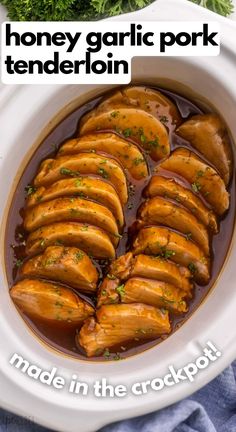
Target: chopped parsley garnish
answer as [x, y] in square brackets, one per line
[102, 172]
[104, 161]
[163, 119]
[138, 161]
[84, 228]
[196, 187]
[111, 276]
[177, 198]
[68, 172]
[121, 290]
[165, 253]
[154, 143]
[59, 304]
[143, 138]
[106, 353]
[168, 253]
[188, 236]
[79, 256]
[115, 114]
[78, 182]
[19, 263]
[127, 132]
[131, 188]
[200, 173]
[30, 189]
[117, 356]
[49, 261]
[192, 268]
[81, 195]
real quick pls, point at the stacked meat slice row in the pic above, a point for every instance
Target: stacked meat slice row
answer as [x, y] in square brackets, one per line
[76, 214]
[184, 200]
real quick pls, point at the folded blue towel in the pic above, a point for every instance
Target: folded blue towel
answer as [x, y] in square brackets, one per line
[211, 409]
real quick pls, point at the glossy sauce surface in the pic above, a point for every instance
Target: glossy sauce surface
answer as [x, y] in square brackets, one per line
[63, 338]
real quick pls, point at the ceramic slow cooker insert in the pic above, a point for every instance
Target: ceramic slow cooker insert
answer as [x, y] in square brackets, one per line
[37, 109]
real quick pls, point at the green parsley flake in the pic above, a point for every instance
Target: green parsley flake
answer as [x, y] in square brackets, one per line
[168, 253]
[79, 256]
[200, 173]
[30, 190]
[192, 268]
[68, 172]
[78, 182]
[196, 187]
[121, 290]
[154, 143]
[19, 263]
[106, 353]
[111, 276]
[127, 132]
[138, 161]
[102, 172]
[163, 119]
[84, 228]
[115, 114]
[117, 356]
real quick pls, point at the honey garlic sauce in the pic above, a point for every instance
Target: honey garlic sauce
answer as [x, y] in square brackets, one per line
[62, 338]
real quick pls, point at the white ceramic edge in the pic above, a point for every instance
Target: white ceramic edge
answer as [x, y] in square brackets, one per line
[18, 399]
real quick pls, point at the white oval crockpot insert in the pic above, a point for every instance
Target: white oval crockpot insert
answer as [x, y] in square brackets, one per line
[25, 111]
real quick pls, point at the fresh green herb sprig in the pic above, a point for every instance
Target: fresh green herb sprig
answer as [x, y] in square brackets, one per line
[41, 10]
[222, 7]
[69, 10]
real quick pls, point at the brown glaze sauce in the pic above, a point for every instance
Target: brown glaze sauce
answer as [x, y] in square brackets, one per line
[60, 337]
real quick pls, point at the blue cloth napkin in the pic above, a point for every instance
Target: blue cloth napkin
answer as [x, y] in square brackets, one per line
[211, 409]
